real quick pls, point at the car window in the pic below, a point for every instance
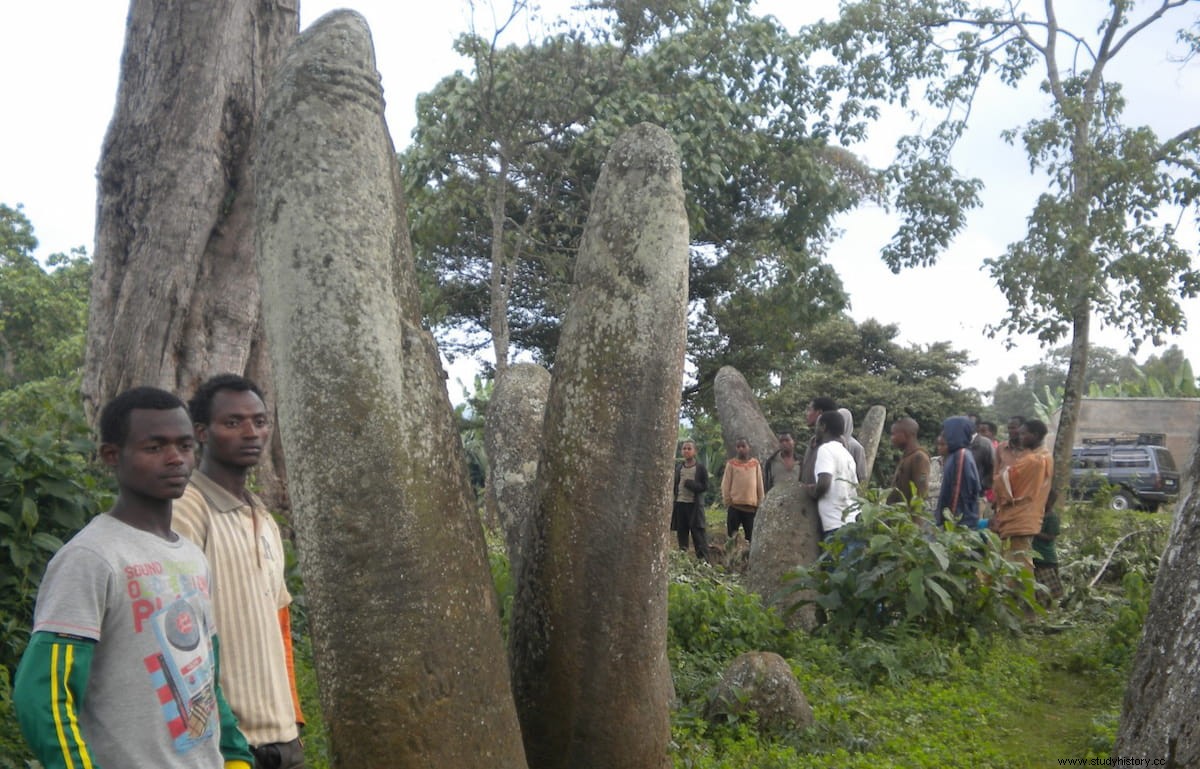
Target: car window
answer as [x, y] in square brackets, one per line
[1091, 460]
[1134, 458]
[1165, 460]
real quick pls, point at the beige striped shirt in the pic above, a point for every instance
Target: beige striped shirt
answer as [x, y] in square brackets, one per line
[245, 553]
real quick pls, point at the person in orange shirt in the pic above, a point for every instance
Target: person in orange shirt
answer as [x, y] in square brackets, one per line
[741, 490]
[1022, 488]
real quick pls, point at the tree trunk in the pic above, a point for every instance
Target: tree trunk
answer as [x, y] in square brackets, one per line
[175, 296]
[1072, 402]
[500, 285]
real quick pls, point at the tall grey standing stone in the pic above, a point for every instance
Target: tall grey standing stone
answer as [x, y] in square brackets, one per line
[589, 633]
[512, 435]
[1158, 715]
[740, 416]
[787, 534]
[404, 616]
[870, 433]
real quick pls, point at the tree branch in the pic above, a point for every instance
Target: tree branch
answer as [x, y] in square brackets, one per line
[1133, 31]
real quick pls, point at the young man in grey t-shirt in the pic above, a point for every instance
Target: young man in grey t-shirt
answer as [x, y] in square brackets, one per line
[121, 669]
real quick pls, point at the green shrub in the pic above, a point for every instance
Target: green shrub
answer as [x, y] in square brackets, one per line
[710, 616]
[891, 569]
[47, 493]
[502, 579]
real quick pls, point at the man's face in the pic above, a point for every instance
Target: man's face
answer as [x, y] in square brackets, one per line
[787, 444]
[158, 455]
[811, 415]
[985, 431]
[942, 447]
[1013, 426]
[743, 449]
[899, 437]
[239, 430]
[688, 451]
[1027, 439]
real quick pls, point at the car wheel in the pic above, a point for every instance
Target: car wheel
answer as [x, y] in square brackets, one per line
[1122, 500]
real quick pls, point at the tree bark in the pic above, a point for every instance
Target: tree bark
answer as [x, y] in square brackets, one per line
[175, 296]
[1072, 402]
[500, 278]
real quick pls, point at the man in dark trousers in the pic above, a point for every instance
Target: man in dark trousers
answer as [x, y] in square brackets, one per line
[687, 514]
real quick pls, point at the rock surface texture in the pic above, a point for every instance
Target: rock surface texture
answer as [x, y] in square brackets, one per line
[870, 434]
[589, 645]
[1158, 716]
[762, 683]
[787, 534]
[512, 434]
[740, 416]
[403, 611]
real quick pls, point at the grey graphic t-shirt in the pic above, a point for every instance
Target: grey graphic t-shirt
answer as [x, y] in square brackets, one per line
[151, 698]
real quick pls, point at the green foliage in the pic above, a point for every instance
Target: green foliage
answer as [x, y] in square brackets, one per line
[505, 159]
[502, 579]
[889, 569]
[47, 493]
[43, 315]
[14, 753]
[860, 365]
[712, 618]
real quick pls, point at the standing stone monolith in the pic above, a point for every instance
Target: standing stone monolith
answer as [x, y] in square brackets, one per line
[512, 436]
[1158, 716]
[740, 416]
[870, 433]
[403, 612]
[589, 632]
[787, 534]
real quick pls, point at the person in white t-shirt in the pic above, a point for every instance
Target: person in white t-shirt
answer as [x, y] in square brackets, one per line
[837, 480]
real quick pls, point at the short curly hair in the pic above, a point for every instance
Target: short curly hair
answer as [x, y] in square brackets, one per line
[114, 417]
[200, 406]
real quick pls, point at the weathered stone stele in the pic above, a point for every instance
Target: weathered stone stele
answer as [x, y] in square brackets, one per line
[740, 416]
[870, 433]
[512, 435]
[787, 534]
[404, 616]
[589, 643]
[1158, 716]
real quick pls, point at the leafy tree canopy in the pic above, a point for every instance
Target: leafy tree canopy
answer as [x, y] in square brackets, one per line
[1097, 241]
[861, 365]
[43, 317]
[504, 161]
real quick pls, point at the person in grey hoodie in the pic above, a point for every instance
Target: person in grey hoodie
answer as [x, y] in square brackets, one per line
[853, 446]
[959, 494]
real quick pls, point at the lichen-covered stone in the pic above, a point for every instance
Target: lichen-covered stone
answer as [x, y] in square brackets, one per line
[740, 416]
[512, 434]
[870, 433]
[589, 634]
[761, 683]
[403, 613]
[787, 534]
[1158, 716]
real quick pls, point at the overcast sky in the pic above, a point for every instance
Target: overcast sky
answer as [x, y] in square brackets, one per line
[61, 65]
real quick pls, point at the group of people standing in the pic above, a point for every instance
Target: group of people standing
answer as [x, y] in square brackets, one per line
[124, 666]
[829, 471]
[981, 483]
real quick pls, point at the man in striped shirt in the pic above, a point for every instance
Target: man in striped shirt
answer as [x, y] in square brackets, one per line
[242, 541]
[122, 667]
